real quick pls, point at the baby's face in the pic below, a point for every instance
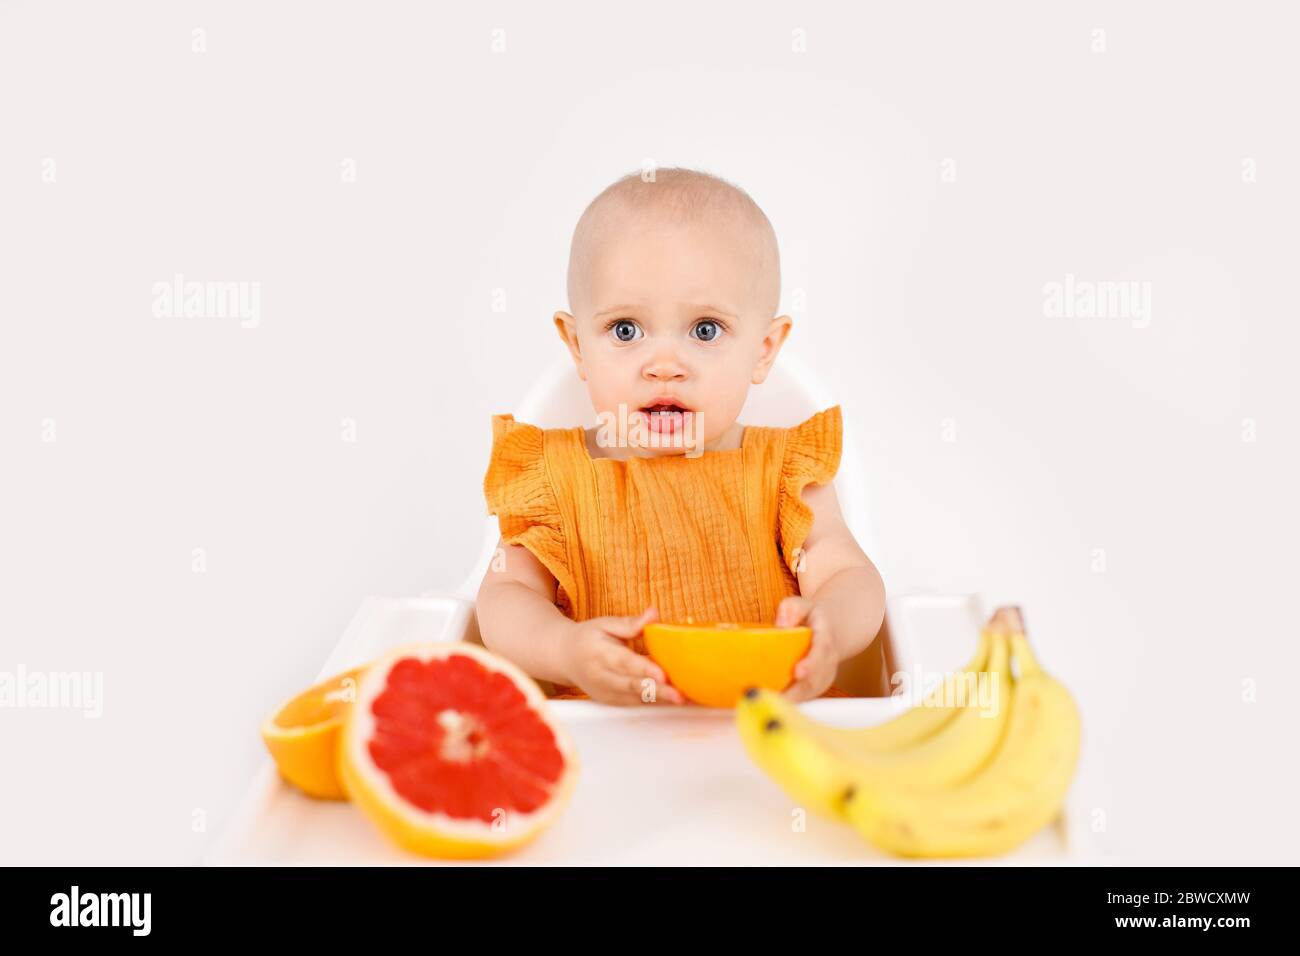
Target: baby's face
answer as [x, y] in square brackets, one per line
[673, 309]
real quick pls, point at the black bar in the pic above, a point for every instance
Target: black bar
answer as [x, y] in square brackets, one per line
[657, 907]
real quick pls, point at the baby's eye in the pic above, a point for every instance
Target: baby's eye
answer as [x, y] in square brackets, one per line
[711, 330]
[623, 330]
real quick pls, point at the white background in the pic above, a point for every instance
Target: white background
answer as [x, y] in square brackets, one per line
[922, 307]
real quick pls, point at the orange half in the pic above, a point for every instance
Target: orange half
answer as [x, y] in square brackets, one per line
[713, 664]
[303, 735]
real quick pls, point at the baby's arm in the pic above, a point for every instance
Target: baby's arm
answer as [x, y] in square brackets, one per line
[517, 616]
[518, 619]
[841, 594]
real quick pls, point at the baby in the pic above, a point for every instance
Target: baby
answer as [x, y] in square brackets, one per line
[672, 505]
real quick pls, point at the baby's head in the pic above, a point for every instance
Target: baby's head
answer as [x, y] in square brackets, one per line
[674, 283]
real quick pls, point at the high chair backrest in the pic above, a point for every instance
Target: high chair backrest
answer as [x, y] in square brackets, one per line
[790, 395]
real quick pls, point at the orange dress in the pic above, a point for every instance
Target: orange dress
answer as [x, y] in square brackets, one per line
[710, 538]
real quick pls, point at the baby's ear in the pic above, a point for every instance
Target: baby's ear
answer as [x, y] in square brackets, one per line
[772, 342]
[565, 325]
[567, 328]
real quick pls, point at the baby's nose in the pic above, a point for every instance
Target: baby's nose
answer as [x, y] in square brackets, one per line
[665, 371]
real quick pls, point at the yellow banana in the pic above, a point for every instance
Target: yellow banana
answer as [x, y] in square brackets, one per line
[962, 745]
[916, 723]
[1019, 791]
[820, 766]
[811, 773]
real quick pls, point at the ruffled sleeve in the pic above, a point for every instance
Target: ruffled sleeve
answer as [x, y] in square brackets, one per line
[811, 455]
[519, 492]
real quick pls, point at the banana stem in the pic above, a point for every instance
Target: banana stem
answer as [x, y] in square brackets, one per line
[1010, 620]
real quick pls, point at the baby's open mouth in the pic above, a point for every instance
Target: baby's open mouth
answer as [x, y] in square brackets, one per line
[665, 416]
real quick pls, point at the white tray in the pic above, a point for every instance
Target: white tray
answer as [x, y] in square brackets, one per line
[668, 785]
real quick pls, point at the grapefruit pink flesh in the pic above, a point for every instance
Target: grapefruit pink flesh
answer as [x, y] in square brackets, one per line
[451, 751]
[455, 738]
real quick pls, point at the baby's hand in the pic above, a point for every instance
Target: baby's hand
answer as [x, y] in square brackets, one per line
[599, 663]
[815, 671]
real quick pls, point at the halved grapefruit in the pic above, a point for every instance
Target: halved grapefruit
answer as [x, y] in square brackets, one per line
[451, 752]
[303, 733]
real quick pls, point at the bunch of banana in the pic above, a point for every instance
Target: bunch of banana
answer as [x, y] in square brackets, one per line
[975, 776]
[934, 745]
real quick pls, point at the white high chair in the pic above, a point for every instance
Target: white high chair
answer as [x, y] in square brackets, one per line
[559, 399]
